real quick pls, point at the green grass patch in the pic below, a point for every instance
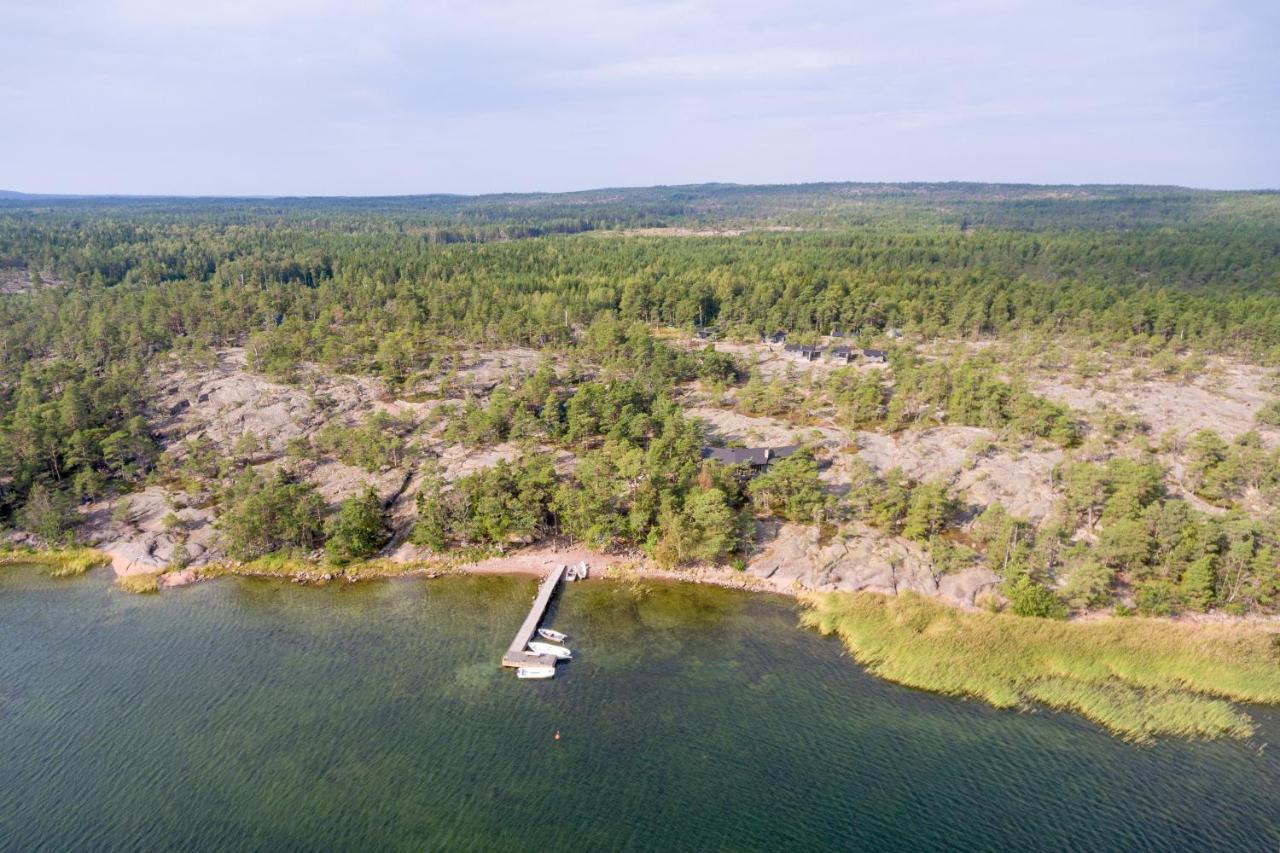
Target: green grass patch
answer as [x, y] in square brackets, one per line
[142, 584]
[61, 562]
[293, 566]
[1138, 678]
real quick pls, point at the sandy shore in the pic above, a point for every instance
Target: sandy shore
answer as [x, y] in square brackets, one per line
[539, 560]
[534, 561]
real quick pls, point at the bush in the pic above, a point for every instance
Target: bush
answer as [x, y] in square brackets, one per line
[48, 514]
[1269, 415]
[705, 530]
[358, 530]
[1028, 598]
[1156, 598]
[262, 515]
[790, 488]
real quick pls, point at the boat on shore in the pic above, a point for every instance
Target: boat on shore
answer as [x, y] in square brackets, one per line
[559, 652]
[553, 636]
[536, 672]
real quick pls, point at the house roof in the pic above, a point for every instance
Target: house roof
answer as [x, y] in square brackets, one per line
[874, 353]
[840, 352]
[757, 456]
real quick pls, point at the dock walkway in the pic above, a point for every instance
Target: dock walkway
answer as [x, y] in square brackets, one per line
[518, 653]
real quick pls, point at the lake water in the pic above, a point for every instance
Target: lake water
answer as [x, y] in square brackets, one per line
[252, 715]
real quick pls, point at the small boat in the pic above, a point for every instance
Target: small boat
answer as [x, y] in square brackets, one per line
[553, 636]
[551, 649]
[536, 672]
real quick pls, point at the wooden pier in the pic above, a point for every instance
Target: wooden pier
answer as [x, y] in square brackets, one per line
[518, 654]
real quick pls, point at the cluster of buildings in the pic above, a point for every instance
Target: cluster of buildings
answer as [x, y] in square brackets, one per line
[808, 352]
[846, 355]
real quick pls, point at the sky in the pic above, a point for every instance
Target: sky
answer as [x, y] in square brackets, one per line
[374, 97]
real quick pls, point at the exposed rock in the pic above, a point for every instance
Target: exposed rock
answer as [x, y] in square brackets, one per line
[859, 558]
[1023, 482]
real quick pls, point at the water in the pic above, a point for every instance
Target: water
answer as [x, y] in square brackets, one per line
[260, 715]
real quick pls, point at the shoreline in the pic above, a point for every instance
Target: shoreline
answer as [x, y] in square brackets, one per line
[531, 561]
[1139, 678]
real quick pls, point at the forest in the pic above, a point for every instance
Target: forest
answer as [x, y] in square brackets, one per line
[96, 292]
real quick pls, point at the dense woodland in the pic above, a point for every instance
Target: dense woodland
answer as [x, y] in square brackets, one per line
[96, 290]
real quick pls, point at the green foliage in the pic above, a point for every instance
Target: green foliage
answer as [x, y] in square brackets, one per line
[47, 514]
[1117, 490]
[881, 501]
[860, 397]
[1220, 472]
[790, 488]
[260, 515]
[1137, 677]
[68, 426]
[775, 397]
[375, 444]
[967, 392]
[705, 529]
[358, 529]
[1028, 598]
[510, 502]
[1088, 585]
[1269, 414]
[1156, 597]
[929, 511]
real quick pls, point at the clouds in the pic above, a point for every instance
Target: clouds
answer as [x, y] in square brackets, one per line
[289, 96]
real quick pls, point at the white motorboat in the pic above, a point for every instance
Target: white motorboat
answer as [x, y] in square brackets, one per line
[536, 672]
[553, 636]
[552, 649]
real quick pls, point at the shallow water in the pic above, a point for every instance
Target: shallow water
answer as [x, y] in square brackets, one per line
[260, 715]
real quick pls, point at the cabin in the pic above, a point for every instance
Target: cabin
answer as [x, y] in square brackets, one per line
[875, 356]
[776, 338]
[844, 354]
[836, 332]
[758, 458]
[802, 351]
[706, 334]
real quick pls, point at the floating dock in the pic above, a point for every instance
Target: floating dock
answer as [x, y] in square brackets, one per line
[518, 654]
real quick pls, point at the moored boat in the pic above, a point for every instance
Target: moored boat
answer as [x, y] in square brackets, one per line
[553, 636]
[551, 649]
[536, 672]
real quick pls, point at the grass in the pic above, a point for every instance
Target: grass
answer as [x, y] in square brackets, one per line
[286, 565]
[141, 584]
[61, 562]
[1138, 678]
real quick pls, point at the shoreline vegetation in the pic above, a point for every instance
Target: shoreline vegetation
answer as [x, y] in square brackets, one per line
[1056, 402]
[61, 562]
[1138, 678]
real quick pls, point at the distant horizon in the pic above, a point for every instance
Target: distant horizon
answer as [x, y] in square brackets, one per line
[327, 99]
[9, 192]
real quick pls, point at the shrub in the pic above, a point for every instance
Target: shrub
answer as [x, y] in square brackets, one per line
[1028, 598]
[790, 488]
[358, 530]
[261, 515]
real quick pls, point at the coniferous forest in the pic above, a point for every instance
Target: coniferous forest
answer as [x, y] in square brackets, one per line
[99, 295]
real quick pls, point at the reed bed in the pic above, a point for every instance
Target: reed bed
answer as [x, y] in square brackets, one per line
[140, 584]
[61, 562]
[1138, 678]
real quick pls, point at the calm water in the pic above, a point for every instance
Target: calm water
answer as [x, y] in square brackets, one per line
[260, 715]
